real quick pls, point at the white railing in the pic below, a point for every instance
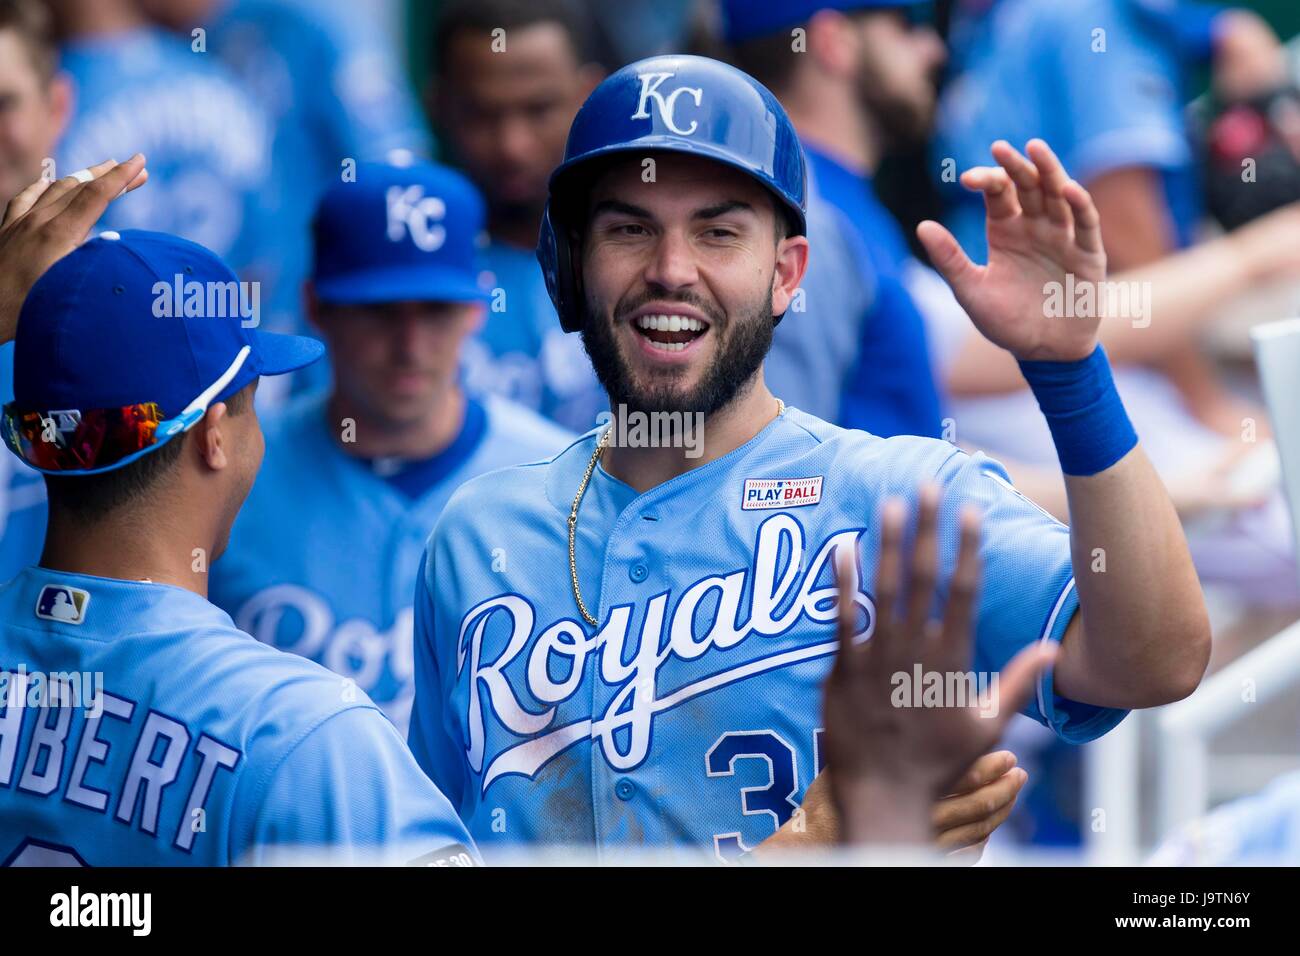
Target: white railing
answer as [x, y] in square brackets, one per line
[1182, 735]
[1112, 788]
[1185, 728]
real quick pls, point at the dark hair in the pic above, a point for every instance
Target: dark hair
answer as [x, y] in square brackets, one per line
[484, 16]
[31, 20]
[770, 59]
[87, 497]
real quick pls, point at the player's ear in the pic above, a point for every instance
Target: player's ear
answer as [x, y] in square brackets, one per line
[210, 437]
[59, 99]
[791, 264]
[475, 316]
[830, 43]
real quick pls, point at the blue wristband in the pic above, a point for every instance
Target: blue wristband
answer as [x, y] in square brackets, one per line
[1089, 426]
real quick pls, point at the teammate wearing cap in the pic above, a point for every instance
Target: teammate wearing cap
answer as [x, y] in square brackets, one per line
[667, 693]
[138, 726]
[323, 558]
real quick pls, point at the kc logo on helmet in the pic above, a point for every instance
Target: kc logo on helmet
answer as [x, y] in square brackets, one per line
[411, 212]
[666, 105]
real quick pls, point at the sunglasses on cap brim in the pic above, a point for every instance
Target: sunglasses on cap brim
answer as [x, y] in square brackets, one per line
[91, 441]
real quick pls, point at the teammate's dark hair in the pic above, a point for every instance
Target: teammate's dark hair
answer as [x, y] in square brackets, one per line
[31, 21]
[86, 497]
[484, 16]
[769, 59]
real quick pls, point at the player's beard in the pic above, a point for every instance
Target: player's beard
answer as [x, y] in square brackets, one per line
[902, 121]
[743, 343]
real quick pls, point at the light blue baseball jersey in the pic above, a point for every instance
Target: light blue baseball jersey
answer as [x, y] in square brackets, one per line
[323, 558]
[1262, 829]
[851, 349]
[22, 495]
[1099, 80]
[206, 141]
[691, 717]
[326, 76]
[178, 740]
[889, 389]
[23, 510]
[522, 354]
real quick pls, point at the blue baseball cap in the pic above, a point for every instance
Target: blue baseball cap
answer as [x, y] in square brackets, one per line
[143, 317]
[746, 19]
[399, 233]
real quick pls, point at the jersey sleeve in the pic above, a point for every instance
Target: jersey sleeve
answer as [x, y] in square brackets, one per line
[363, 104]
[349, 792]
[891, 390]
[1120, 84]
[436, 753]
[1027, 590]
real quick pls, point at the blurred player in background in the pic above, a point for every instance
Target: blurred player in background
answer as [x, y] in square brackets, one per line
[330, 83]
[138, 87]
[635, 29]
[323, 558]
[510, 74]
[891, 68]
[35, 100]
[863, 83]
[1112, 92]
[1262, 829]
[140, 727]
[649, 677]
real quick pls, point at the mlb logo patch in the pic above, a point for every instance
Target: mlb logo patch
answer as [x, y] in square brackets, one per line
[60, 603]
[764, 493]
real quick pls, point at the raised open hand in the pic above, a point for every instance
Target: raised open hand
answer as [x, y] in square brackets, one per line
[1042, 227]
[887, 759]
[47, 220]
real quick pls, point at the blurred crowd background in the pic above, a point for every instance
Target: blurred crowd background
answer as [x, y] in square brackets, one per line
[1181, 118]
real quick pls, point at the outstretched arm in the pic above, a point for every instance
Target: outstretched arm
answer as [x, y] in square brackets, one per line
[1142, 636]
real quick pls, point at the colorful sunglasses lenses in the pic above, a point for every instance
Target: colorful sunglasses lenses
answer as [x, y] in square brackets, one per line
[74, 440]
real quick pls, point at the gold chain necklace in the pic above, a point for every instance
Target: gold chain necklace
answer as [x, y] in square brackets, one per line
[573, 516]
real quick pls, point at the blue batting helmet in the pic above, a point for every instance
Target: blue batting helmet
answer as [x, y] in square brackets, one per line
[679, 104]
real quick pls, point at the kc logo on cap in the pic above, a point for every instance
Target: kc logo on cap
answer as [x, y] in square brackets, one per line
[411, 212]
[398, 232]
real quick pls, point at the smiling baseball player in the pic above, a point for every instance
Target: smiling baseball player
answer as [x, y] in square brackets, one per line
[323, 557]
[645, 666]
